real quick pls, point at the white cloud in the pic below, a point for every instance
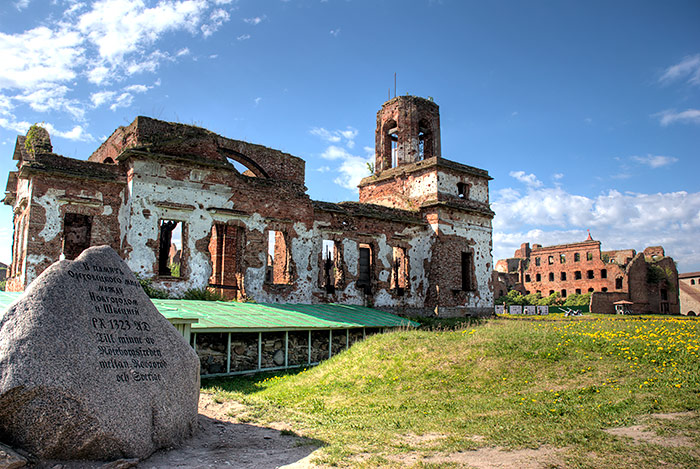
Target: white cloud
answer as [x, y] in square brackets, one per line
[323, 169]
[257, 100]
[352, 167]
[325, 134]
[655, 161]
[243, 37]
[527, 179]
[557, 176]
[688, 68]
[688, 116]
[76, 133]
[123, 100]
[20, 127]
[119, 27]
[335, 153]
[101, 97]
[336, 136]
[137, 88]
[21, 4]
[216, 19]
[255, 20]
[619, 220]
[183, 51]
[101, 42]
[38, 57]
[335, 32]
[51, 98]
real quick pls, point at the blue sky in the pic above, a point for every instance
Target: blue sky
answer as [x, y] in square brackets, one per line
[586, 114]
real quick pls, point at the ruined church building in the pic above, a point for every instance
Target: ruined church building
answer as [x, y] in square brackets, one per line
[417, 242]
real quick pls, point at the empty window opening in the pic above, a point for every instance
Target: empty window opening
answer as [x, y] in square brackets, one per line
[551, 292]
[618, 283]
[563, 293]
[551, 276]
[603, 273]
[364, 279]
[223, 249]
[562, 258]
[241, 168]
[538, 277]
[399, 270]
[577, 275]
[394, 138]
[589, 256]
[463, 190]
[590, 274]
[467, 270]
[76, 234]
[692, 282]
[277, 271]
[590, 290]
[664, 294]
[537, 261]
[421, 146]
[170, 248]
[577, 257]
[578, 291]
[604, 289]
[108, 161]
[563, 275]
[551, 260]
[425, 140]
[527, 277]
[328, 256]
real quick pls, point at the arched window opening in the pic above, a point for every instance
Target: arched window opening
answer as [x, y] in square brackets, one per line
[421, 146]
[463, 193]
[108, 161]
[425, 140]
[394, 138]
[390, 143]
[241, 168]
[244, 164]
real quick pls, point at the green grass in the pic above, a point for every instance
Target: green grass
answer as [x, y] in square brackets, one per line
[516, 384]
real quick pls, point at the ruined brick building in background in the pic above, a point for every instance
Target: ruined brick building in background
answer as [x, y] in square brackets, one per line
[689, 285]
[648, 279]
[418, 241]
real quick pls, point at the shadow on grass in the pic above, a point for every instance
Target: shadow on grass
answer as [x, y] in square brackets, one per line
[248, 384]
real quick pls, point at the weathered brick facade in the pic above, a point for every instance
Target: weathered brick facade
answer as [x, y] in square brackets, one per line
[648, 279]
[418, 242]
[689, 285]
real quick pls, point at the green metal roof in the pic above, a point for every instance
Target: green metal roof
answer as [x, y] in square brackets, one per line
[229, 316]
[222, 316]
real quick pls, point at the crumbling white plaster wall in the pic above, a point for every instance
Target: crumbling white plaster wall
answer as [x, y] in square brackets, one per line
[478, 233]
[478, 187]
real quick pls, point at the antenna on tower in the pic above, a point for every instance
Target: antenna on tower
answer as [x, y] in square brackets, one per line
[394, 84]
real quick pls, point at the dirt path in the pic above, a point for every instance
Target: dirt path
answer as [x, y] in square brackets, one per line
[219, 443]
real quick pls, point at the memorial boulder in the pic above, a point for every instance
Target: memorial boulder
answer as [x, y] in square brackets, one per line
[89, 369]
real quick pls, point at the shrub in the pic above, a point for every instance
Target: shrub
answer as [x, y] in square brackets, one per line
[151, 291]
[203, 294]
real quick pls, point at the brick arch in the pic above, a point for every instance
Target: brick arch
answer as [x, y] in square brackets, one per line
[246, 161]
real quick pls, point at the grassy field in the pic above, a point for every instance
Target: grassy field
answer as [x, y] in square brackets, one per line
[552, 382]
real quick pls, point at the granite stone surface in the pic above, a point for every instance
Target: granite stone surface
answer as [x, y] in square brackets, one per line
[89, 369]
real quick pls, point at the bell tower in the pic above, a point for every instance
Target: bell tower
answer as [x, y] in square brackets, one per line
[408, 131]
